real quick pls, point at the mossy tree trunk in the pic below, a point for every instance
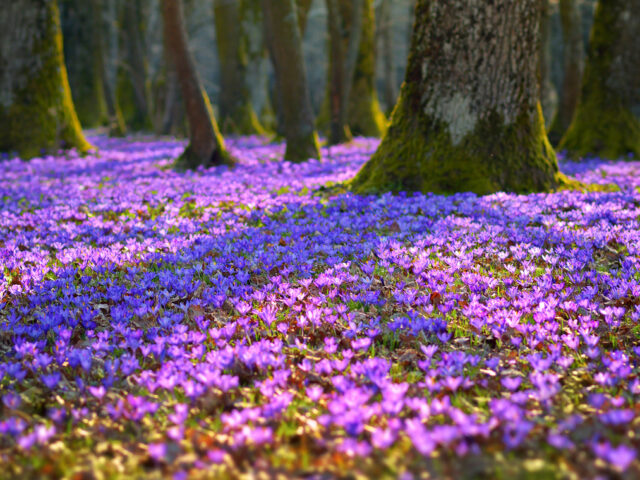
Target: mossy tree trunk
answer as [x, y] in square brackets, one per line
[603, 123]
[81, 56]
[285, 47]
[206, 146]
[573, 59]
[468, 116]
[548, 94]
[236, 112]
[36, 110]
[389, 91]
[345, 29]
[135, 85]
[364, 115]
[115, 120]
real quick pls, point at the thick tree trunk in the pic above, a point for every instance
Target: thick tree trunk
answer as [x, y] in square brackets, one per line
[386, 43]
[236, 112]
[115, 121]
[468, 117]
[548, 94]
[206, 146]
[603, 123]
[571, 19]
[345, 29]
[364, 115]
[135, 84]
[36, 110]
[285, 45]
[81, 59]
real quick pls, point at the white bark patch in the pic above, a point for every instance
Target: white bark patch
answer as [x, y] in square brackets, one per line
[456, 112]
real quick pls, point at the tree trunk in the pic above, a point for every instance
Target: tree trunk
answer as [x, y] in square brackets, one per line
[258, 62]
[36, 110]
[345, 29]
[364, 115]
[135, 84]
[81, 61]
[603, 123]
[548, 94]
[573, 54]
[468, 117]
[115, 121]
[235, 108]
[281, 28]
[171, 107]
[206, 146]
[303, 7]
[386, 44]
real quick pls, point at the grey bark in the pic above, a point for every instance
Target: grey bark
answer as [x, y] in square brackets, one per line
[206, 146]
[285, 46]
[345, 29]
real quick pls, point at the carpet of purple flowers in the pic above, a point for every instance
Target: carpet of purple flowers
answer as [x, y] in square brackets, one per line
[220, 321]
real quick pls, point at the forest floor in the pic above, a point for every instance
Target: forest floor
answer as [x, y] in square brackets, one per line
[221, 322]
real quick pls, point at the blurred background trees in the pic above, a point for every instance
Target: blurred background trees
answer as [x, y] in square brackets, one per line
[353, 54]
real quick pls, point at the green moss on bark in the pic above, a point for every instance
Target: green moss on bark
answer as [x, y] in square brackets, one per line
[603, 123]
[418, 154]
[41, 117]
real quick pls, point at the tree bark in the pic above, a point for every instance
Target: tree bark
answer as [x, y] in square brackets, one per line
[571, 19]
[36, 110]
[115, 121]
[468, 117]
[364, 115]
[135, 86]
[303, 7]
[603, 123]
[548, 94]
[81, 56]
[345, 29]
[235, 108]
[206, 146]
[285, 46]
[386, 44]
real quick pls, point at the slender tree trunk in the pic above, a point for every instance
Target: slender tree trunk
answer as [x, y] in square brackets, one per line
[386, 43]
[171, 99]
[468, 117]
[81, 60]
[206, 146]
[603, 123]
[345, 30]
[115, 121]
[235, 108]
[364, 115]
[303, 7]
[258, 62]
[571, 19]
[285, 45]
[548, 95]
[36, 110]
[136, 68]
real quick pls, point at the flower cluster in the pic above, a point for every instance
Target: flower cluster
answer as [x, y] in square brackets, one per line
[256, 319]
